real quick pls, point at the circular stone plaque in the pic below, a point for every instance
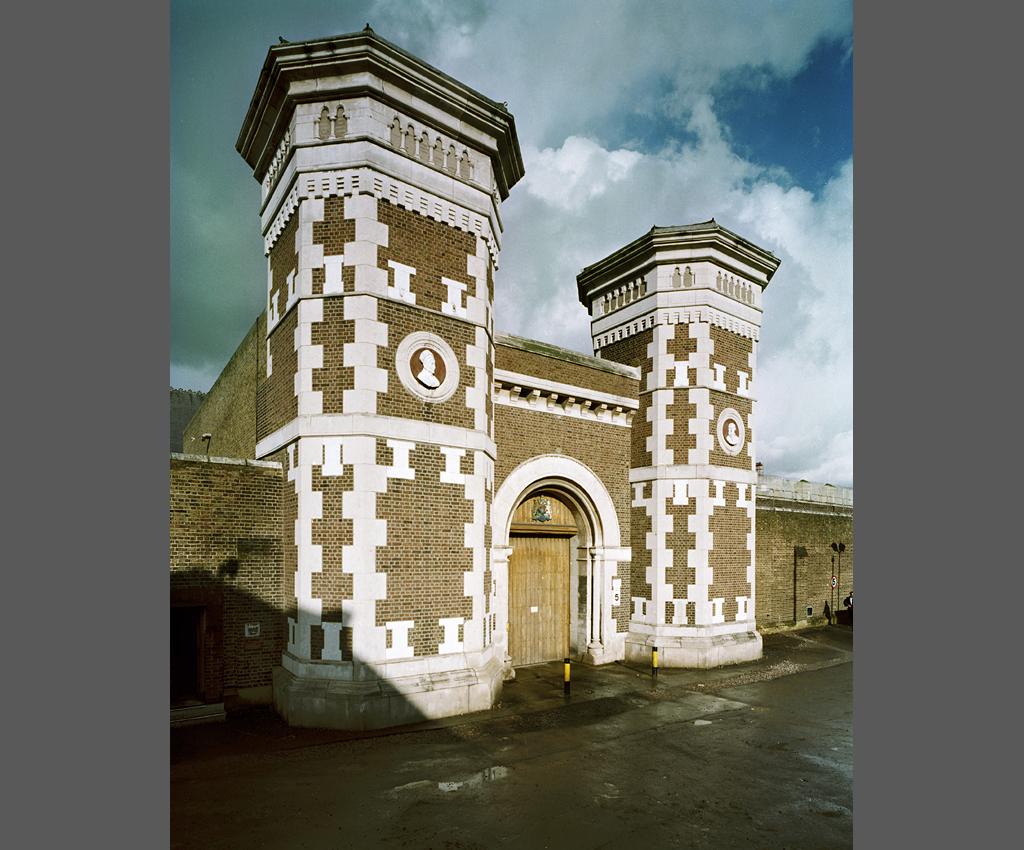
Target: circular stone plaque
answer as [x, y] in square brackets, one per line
[427, 366]
[731, 433]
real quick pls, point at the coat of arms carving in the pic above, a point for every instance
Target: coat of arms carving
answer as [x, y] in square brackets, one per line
[542, 510]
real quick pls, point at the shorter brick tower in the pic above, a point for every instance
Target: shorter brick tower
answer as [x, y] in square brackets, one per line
[684, 305]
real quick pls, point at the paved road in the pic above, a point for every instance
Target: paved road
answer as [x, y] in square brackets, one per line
[735, 762]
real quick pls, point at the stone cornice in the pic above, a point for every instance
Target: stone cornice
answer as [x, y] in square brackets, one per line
[703, 241]
[543, 396]
[364, 63]
[346, 182]
[375, 425]
[673, 316]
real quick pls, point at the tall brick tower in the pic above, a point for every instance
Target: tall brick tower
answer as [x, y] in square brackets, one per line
[684, 305]
[381, 180]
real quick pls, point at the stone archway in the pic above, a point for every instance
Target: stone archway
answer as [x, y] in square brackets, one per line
[597, 551]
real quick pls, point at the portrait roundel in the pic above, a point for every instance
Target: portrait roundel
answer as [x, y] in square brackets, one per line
[732, 435]
[427, 366]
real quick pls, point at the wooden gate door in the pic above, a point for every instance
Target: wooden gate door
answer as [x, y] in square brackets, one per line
[538, 599]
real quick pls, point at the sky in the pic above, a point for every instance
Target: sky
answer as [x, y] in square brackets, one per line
[629, 114]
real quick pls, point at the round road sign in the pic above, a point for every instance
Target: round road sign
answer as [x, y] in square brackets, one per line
[834, 582]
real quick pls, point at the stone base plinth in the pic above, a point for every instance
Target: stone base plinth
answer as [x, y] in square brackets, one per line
[697, 650]
[605, 653]
[378, 703]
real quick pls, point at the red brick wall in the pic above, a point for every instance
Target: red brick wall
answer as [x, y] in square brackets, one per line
[426, 557]
[730, 557]
[719, 402]
[555, 369]
[680, 540]
[276, 402]
[604, 448]
[733, 352]
[432, 248]
[226, 550]
[332, 333]
[333, 232]
[632, 351]
[402, 320]
[640, 527]
[332, 585]
[283, 261]
[778, 531]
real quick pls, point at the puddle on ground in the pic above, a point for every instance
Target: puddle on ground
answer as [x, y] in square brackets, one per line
[409, 786]
[476, 780]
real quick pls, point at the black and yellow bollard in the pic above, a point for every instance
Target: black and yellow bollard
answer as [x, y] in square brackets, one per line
[654, 661]
[567, 684]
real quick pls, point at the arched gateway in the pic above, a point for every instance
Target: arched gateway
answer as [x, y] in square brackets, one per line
[557, 582]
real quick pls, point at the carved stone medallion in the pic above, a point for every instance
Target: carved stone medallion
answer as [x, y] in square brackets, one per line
[427, 366]
[732, 435]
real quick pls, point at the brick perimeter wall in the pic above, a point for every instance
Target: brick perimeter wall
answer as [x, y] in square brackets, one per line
[778, 531]
[228, 411]
[225, 541]
[184, 405]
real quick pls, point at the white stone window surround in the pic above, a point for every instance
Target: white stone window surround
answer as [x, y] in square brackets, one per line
[405, 350]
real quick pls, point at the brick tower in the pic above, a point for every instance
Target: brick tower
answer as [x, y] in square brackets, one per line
[381, 180]
[684, 305]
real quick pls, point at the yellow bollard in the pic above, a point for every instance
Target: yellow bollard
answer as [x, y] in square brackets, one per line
[566, 684]
[654, 661]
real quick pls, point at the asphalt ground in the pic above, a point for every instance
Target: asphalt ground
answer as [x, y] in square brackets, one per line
[754, 755]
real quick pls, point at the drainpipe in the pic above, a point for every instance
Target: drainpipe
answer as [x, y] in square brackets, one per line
[798, 552]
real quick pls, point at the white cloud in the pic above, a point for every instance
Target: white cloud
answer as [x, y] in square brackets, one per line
[584, 201]
[586, 83]
[566, 67]
[579, 171]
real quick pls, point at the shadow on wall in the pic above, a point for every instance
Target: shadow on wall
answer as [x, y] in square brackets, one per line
[227, 640]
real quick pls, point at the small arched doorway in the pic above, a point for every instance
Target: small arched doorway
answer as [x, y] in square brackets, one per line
[544, 539]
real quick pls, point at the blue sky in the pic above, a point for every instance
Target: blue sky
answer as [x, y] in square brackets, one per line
[629, 114]
[804, 123]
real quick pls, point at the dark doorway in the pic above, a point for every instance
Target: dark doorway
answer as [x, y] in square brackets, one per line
[186, 655]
